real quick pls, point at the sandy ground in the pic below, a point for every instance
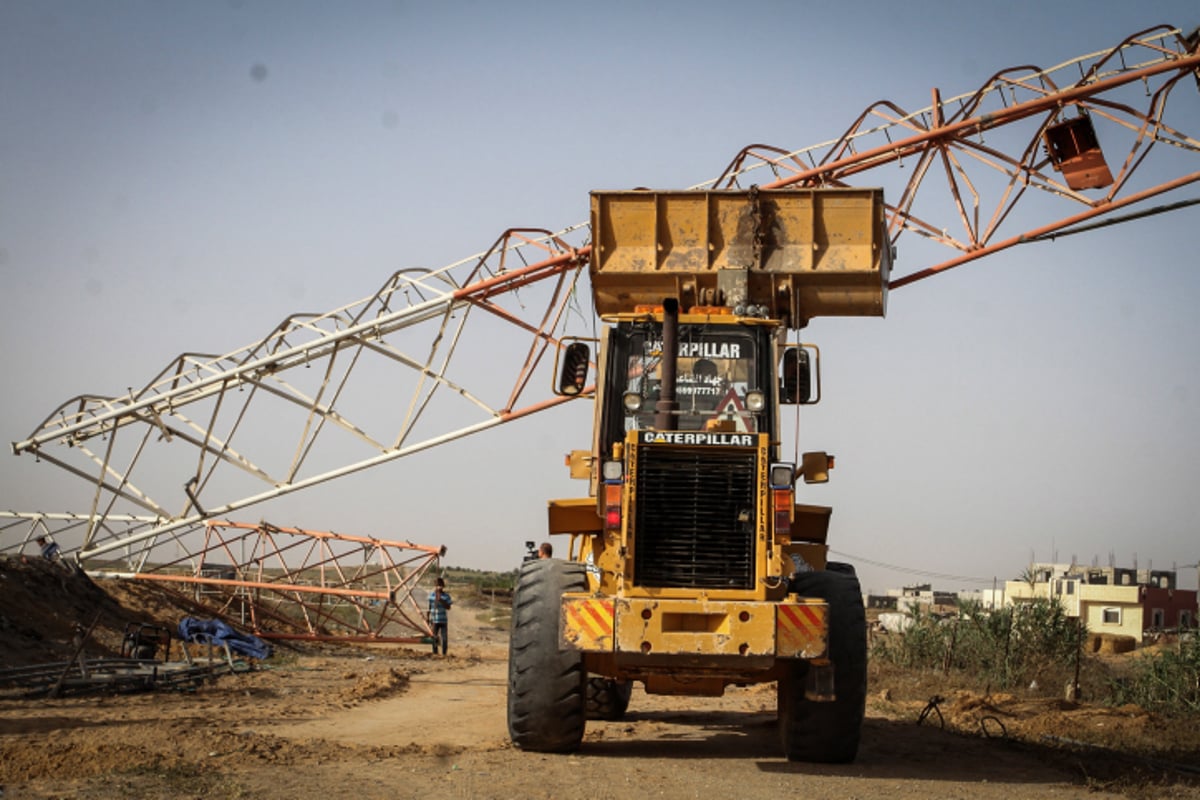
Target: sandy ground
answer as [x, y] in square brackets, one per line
[389, 722]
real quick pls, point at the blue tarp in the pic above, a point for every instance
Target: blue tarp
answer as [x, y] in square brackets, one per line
[205, 631]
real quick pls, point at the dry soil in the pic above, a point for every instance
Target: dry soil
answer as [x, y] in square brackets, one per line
[396, 722]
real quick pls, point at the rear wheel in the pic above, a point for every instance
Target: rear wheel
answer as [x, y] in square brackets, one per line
[828, 732]
[545, 684]
[607, 699]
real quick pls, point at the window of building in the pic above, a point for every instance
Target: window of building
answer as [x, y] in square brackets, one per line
[1158, 618]
[1185, 619]
[1112, 616]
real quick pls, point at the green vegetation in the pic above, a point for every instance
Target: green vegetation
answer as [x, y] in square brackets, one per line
[1037, 644]
[1011, 647]
[480, 582]
[1167, 682]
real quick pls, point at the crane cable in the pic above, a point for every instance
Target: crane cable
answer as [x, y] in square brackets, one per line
[1116, 220]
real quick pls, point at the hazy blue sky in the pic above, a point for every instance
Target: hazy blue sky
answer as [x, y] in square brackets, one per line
[182, 175]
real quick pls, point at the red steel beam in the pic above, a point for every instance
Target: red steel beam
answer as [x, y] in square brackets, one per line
[1044, 230]
[887, 153]
[392, 604]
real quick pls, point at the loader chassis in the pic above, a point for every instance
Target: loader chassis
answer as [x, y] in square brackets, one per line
[690, 566]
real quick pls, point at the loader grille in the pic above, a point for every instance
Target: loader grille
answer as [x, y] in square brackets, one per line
[695, 519]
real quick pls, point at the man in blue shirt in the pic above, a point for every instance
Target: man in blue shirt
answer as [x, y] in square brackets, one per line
[439, 604]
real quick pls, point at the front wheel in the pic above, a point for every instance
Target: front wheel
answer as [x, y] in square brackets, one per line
[828, 732]
[545, 684]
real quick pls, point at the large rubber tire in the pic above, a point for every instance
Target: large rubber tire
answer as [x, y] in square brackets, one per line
[545, 684]
[828, 732]
[607, 699]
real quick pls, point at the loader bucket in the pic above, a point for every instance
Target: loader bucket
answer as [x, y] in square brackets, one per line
[789, 254]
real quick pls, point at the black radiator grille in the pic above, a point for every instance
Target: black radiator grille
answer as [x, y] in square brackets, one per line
[694, 523]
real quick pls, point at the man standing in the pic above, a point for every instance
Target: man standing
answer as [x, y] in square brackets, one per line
[439, 603]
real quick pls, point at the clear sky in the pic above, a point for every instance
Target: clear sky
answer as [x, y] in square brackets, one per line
[180, 176]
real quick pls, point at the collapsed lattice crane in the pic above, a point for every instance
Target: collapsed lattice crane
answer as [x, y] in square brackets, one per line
[293, 583]
[1094, 135]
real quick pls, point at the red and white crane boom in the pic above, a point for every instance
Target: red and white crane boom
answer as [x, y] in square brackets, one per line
[322, 396]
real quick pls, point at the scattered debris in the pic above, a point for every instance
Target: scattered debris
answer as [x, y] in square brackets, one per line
[61, 635]
[114, 675]
[932, 708]
[213, 631]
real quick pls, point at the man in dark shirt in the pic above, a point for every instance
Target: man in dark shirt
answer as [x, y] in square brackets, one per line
[439, 604]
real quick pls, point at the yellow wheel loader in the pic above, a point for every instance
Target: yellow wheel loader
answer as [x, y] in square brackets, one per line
[691, 566]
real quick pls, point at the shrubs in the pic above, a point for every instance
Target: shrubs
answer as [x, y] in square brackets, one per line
[1036, 643]
[1011, 647]
[1167, 682]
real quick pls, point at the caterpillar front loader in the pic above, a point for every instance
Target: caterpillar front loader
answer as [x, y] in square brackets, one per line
[691, 566]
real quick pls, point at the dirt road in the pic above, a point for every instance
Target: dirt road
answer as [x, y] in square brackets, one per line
[395, 722]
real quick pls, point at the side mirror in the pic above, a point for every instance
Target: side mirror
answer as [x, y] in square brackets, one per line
[573, 377]
[795, 380]
[815, 467]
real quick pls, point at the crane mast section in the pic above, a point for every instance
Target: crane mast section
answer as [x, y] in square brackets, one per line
[1098, 132]
[185, 448]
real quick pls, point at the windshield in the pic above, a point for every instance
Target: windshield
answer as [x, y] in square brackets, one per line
[715, 372]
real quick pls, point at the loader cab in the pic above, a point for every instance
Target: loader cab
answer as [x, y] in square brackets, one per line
[724, 379]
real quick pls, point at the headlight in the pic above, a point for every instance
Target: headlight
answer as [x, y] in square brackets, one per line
[755, 401]
[632, 402]
[783, 475]
[612, 470]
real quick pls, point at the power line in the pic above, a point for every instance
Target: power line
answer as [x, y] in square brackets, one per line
[914, 571]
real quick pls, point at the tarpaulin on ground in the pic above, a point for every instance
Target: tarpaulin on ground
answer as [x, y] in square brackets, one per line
[206, 631]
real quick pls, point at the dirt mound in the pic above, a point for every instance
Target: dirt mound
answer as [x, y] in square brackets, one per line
[374, 686]
[41, 603]
[1110, 643]
[1128, 729]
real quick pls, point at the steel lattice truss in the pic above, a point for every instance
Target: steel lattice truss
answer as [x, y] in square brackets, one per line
[354, 386]
[203, 438]
[280, 583]
[989, 149]
[291, 583]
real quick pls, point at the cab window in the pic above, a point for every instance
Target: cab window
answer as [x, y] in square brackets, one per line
[715, 371]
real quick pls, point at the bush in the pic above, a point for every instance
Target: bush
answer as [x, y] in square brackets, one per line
[1167, 682]
[1014, 646]
[479, 582]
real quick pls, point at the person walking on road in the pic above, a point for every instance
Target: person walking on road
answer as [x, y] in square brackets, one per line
[439, 604]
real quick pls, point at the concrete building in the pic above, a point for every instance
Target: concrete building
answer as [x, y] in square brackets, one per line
[1116, 600]
[923, 596]
[988, 599]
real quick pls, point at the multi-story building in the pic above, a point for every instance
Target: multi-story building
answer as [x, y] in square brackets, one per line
[1115, 600]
